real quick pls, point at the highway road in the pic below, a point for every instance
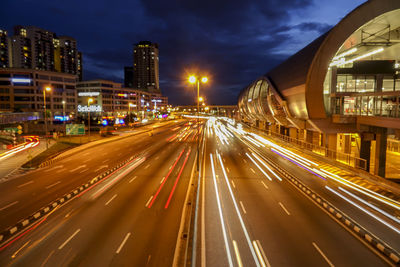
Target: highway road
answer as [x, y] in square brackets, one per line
[249, 214]
[130, 219]
[249, 220]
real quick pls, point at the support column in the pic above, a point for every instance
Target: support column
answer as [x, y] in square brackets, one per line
[365, 150]
[380, 153]
[309, 136]
[293, 133]
[331, 145]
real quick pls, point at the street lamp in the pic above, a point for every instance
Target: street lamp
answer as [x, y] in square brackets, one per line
[48, 89]
[90, 100]
[193, 79]
[63, 102]
[129, 111]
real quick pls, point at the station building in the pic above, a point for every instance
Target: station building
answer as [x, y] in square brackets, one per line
[340, 94]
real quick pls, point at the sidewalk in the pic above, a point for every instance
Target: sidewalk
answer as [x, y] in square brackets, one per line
[10, 165]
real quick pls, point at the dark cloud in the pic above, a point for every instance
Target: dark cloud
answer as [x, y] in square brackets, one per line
[230, 40]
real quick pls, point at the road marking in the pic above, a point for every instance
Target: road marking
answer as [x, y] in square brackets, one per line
[131, 180]
[47, 259]
[148, 165]
[111, 199]
[238, 259]
[323, 255]
[227, 169]
[89, 159]
[50, 186]
[22, 185]
[252, 170]
[69, 239]
[84, 170]
[162, 180]
[283, 207]
[104, 161]
[260, 254]
[148, 201]
[86, 154]
[241, 204]
[52, 169]
[77, 168]
[119, 154]
[16, 252]
[101, 167]
[244, 160]
[68, 214]
[264, 184]
[233, 183]
[123, 243]
[60, 170]
[157, 157]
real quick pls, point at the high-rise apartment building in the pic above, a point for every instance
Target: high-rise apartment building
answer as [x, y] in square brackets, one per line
[35, 48]
[3, 49]
[145, 66]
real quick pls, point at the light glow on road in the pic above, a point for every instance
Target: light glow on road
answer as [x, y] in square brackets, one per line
[31, 141]
[221, 217]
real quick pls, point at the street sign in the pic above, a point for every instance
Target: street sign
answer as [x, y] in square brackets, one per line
[19, 132]
[75, 129]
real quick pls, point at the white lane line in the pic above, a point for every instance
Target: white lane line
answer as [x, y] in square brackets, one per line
[148, 165]
[77, 168]
[157, 157]
[86, 154]
[252, 170]
[104, 161]
[238, 212]
[266, 187]
[227, 169]
[50, 186]
[283, 207]
[148, 201]
[241, 204]
[123, 243]
[131, 180]
[84, 170]
[22, 185]
[101, 167]
[233, 183]
[238, 259]
[69, 239]
[47, 259]
[228, 252]
[162, 180]
[111, 199]
[245, 161]
[9, 205]
[261, 254]
[87, 160]
[62, 170]
[323, 255]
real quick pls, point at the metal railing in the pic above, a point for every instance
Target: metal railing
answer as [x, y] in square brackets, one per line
[347, 159]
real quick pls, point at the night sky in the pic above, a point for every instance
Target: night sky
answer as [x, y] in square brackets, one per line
[234, 42]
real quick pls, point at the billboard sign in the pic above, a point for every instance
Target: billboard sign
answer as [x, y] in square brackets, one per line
[75, 129]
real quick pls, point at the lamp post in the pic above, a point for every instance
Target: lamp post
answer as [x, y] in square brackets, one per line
[193, 79]
[90, 100]
[48, 89]
[63, 102]
[129, 111]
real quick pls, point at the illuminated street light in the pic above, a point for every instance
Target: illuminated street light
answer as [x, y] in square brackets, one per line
[48, 89]
[193, 79]
[201, 99]
[90, 100]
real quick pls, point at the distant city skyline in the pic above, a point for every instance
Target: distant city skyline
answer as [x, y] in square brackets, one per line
[231, 42]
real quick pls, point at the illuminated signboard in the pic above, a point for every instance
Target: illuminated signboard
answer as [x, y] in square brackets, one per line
[91, 108]
[156, 100]
[88, 93]
[61, 118]
[122, 95]
[21, 80]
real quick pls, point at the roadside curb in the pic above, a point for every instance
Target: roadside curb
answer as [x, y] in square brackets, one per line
[35, 217]
[381, 247]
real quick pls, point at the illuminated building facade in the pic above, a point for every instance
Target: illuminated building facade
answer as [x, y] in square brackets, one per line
[341, 92]
[146, 66]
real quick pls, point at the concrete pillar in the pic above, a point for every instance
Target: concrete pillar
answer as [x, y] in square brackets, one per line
[309, 136]
[347, 143]
[293, 133]
[365, 150]
[331, 145]
[380, 152]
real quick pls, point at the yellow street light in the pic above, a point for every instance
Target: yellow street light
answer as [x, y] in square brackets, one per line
[204, 79]
[48, 88]
[192, 79]
[201, 99]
